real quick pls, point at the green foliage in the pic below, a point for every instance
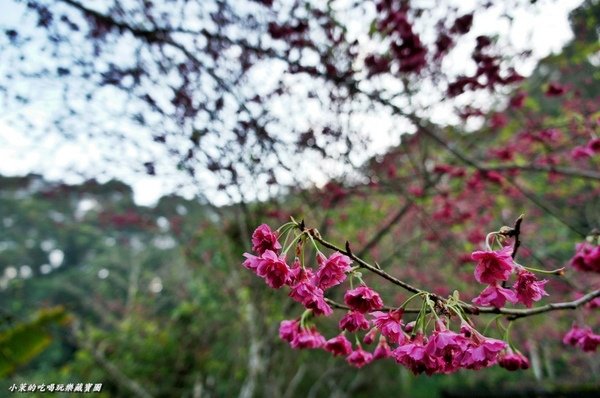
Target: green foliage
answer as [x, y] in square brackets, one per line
[22, 342]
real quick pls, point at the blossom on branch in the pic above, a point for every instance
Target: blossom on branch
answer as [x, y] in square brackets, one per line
[528, 288]
[332, 271]
[513, 360]
[338, 345]
[359, 358]
[354, 321]
[273, 269]
[264, 239]
[363, 299]
[493, 266]
[496, 296]
[390, 325]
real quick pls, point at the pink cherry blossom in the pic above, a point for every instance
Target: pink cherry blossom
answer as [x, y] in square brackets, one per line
[448, 346]
[382, 350]
[513, 360]
[307, 338]
[332, 271]
[581, 152]
[288, 330]
[338, 345]
[311, 297]
[298, 273]
[594, 145]
[496, 296]
[481, 351]
[274, 269]
[583, 338]
[370, 336]
[354, 321]
[251, 262]
[587, 257]
[359, 358]
[493, 266]
[408, 328]
[363, 299]
[264, 239]
[390, 325]
[528, 288]
[555, 89]
[414, 356]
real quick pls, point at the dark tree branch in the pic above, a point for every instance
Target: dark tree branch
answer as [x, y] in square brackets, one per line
[386, 228]
[430, 131]
[341, 306]
[584, 174]
[512, 313]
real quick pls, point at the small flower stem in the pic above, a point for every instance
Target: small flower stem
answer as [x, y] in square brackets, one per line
[287, 235]
[286, 225]
[286, 249]
[305, 315]
[507, 331]
[314, 243]
[490, 322]
[487, 239]
[558, 271]
[408, 300]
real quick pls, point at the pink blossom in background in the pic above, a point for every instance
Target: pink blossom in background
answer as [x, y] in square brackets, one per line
[581, 152]
[555, 89]
[587, 257]
[582, 338]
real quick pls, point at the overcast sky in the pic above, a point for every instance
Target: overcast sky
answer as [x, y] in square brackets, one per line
[545, 31]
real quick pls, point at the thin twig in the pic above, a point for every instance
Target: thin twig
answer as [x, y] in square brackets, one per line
[341, 306]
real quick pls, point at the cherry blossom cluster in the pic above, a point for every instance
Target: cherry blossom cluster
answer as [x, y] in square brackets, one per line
[410, 344]
[495, 267]
[587, 257]
[582, 338]
[592, 148]
[443, 351]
